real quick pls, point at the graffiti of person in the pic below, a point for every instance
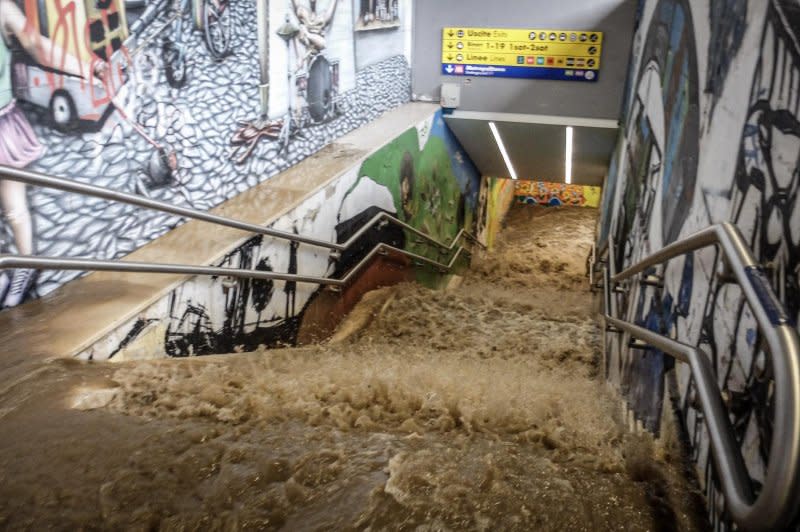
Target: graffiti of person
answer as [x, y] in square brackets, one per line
[312, 26]
[407, 186]
[18, 143]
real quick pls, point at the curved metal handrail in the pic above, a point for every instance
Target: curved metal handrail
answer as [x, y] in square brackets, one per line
[68, 185]
[779, 497]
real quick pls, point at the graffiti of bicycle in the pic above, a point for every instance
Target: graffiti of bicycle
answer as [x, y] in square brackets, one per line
[211, 17]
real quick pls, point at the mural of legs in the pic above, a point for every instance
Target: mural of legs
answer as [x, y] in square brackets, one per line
[14, 201]
[18, 147]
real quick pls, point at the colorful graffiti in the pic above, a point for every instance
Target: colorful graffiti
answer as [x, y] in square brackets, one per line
[187, 101]
[556, 194]
[669, 181]
[495, 199]
[54, 68]
[422, 177]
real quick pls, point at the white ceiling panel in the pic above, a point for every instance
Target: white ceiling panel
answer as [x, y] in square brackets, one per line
[537, 148]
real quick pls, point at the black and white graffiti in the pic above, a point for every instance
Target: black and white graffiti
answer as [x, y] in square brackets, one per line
[752, 80]
[658, 174]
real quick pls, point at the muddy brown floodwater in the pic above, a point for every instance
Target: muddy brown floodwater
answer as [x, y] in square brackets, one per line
[474, 408]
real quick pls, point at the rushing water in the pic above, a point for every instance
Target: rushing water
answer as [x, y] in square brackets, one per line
[474, 408]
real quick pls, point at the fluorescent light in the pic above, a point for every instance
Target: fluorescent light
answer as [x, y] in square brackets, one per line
[503, 151]
[568, 157]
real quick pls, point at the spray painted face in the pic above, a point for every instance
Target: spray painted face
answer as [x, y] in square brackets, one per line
[407, 183]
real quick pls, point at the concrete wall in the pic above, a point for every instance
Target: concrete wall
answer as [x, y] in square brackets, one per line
[592, 100]
[711, 134]
[423, 177]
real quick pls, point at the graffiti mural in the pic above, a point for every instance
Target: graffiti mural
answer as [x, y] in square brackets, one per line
[752, 63]
[728, 20]
[657, 174]
[58, 71]
[556, 194]
[421, 177]
[187, 101]
[494, 201]
[763, 202]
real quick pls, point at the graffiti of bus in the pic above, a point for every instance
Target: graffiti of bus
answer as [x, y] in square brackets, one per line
[94, 32]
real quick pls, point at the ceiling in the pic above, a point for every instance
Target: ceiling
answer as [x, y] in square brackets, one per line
[536, 145]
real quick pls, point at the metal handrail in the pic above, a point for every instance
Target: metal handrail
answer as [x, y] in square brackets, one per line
[65, 263]
[68, 185]
[779, 497]
[592, 261]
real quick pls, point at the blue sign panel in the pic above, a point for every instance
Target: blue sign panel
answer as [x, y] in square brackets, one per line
[565, 74]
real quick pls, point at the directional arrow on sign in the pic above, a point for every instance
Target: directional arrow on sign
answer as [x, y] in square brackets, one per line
[451, 33]
[449, 69]
[450, 46]
[450, 57]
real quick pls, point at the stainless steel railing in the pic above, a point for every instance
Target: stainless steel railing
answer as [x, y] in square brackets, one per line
[81, 264]
[64, 263]
[68, 185]
[592, 261]
[777, 502]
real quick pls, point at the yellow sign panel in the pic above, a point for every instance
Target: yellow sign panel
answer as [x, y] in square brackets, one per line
[531, 53]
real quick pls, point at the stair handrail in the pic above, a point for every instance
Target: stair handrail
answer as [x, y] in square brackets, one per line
[68, 185]
[595, 257]
[8, 261]
[777, 503]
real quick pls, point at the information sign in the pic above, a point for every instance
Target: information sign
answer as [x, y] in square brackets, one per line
[514, 53]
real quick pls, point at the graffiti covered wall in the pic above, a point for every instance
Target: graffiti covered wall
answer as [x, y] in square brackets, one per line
[422, 177]
[556, 194]
[711, 134]
[185, 101]
[499, 197]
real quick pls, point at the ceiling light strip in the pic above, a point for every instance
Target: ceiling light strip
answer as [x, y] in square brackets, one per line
[568, 157]
[503, 151]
